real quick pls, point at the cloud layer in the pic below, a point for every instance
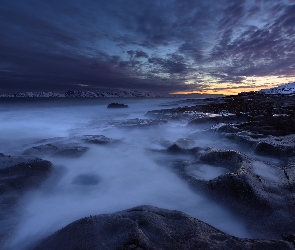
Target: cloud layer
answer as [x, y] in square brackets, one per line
[156, 45]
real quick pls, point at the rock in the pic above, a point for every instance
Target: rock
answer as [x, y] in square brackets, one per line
[147, 227]
[117, 105]
[23, 175]
[276, 125]
[261, 144]
[17, 176]
[271, 148]
[98, 139]
[183, 145]
[262, 193]
[213, 118]
[57, 149]
[138, 123]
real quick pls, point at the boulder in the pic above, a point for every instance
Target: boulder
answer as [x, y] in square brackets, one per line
[17, 176]
[148, 227]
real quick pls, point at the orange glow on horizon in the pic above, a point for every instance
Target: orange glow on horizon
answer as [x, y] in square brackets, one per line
[232, 89]
[219, 92]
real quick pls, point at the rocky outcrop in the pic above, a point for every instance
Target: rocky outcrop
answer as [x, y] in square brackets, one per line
[261, 143]
[147, 227]
[262, 193]
[239, 108]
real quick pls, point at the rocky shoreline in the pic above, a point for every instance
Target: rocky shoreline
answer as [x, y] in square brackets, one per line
[259, 191]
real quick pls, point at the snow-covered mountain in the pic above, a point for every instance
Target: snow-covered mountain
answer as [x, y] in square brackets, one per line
[92, 94]
[288, 88]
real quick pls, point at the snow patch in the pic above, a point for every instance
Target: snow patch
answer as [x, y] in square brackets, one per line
[288, 88]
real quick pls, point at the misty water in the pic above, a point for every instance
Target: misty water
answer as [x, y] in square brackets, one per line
[107, 178]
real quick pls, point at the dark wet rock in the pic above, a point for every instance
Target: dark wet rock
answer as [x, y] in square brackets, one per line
[262, 193]
[98, 139]
[213, 118]
[290, 238]
[228, 158]
[57, 149]
[276, 125]
[261, 144]
[279, 110]
[138, 123]
[22, 173]
[86, 180]
[147, 227]
[17, 176]
[226, 128]
[272, 147]
[117, 105]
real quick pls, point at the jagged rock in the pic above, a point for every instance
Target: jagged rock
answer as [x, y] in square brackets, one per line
[117, 105]
[147, 227]
[57, 149]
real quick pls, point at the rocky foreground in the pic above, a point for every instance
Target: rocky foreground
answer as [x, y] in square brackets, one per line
[262, 193]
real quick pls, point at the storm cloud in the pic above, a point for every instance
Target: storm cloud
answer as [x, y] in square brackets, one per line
[156, 46]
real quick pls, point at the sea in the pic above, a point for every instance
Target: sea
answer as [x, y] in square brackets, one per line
[126, 174]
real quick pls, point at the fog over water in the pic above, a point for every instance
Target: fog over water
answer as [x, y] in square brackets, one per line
[107, 178]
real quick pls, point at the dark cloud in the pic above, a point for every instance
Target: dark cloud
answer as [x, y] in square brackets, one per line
[152, 45]
[233, 14]
[259, 51]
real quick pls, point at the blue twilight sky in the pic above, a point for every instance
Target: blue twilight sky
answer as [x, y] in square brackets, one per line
[209, 46]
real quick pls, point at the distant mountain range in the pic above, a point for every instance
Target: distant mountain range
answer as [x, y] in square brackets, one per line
[288, 88]
[98, 94]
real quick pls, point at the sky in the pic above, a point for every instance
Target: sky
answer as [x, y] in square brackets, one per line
[171, 46]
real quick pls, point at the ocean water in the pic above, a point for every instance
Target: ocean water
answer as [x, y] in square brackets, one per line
[107, 178]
